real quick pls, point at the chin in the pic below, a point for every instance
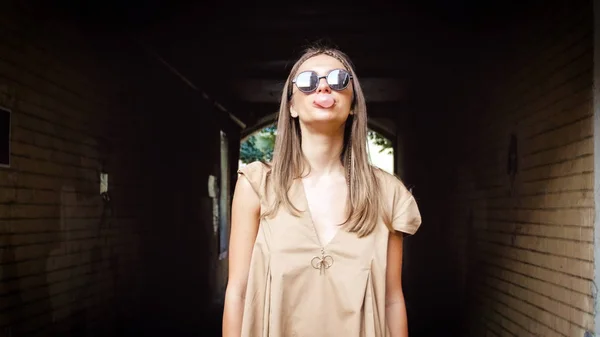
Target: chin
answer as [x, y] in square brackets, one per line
[327, 111]
[324, 113]
[325, 117]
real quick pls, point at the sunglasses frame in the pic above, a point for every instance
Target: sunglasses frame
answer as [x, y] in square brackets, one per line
[319, 78]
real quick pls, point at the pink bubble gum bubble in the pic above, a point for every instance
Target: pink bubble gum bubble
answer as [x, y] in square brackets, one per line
[324, 100]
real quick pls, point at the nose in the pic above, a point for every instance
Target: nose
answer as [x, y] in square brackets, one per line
[323, 86]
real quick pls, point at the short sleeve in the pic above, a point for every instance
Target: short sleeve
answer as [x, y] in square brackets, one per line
[255, 172]
[406, 217]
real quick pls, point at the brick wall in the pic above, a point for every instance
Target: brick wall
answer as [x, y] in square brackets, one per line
[526, 247]
[70, 264]
[86, 98]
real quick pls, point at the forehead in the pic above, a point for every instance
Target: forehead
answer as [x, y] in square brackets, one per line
[321, 63]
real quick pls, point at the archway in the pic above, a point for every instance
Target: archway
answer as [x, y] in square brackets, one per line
[259, 146]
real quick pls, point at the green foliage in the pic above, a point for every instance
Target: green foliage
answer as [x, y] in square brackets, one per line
[268, 137]
[249, 152]
[258, 146]
[379, 140]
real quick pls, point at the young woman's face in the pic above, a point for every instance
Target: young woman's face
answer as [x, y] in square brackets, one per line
[322, 91]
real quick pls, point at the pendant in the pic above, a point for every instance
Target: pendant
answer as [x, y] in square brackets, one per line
[322, 262]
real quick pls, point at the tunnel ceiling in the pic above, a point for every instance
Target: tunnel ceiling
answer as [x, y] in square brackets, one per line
[241, 56]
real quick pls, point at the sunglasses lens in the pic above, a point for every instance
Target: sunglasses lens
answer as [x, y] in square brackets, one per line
[307, 81]
[338, 79]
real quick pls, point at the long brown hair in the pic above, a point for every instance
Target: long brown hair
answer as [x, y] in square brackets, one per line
[289, 162]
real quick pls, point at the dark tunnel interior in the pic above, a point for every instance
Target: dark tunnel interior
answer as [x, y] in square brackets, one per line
[159, 94]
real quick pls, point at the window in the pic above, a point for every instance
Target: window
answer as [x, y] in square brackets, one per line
[224, 202]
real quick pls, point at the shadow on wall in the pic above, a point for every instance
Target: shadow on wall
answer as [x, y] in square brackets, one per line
[84, 249]
[24, 288]
[52, 272]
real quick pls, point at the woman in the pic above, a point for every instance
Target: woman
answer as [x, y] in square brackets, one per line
[316, 235]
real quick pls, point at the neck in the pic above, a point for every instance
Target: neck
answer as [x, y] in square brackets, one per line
[322, 151]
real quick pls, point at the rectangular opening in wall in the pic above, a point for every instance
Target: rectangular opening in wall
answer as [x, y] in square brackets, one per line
[381, 151]
[224, 202]
[5, 116]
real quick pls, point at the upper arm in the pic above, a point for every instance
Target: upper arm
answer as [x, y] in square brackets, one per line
[394, 268]
[405, 220]
[245, 214]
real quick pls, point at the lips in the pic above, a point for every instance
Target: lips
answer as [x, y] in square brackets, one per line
[324, 101]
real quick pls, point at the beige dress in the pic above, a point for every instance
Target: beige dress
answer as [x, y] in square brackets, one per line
[296, 288]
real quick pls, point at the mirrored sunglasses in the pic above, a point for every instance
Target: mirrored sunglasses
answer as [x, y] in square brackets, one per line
[308, 81]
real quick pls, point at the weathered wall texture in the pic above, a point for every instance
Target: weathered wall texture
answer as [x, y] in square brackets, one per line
[526, 240]
[86, 100]
[68, 260]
